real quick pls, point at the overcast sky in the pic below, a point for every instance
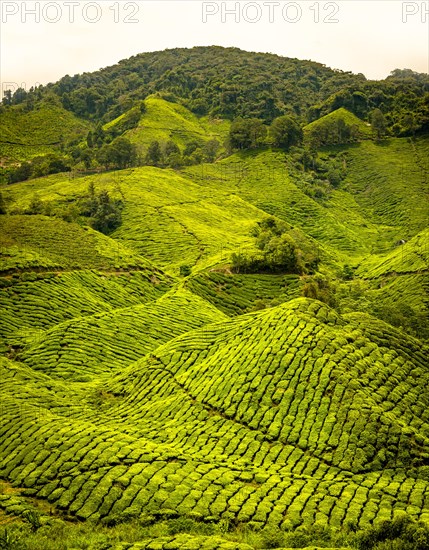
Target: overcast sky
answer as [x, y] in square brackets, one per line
[42, 41]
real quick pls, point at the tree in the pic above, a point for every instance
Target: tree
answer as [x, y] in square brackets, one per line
[378, 123]
[278, 250]
[247, 133]
[108, 214]
[172, 154]
[175, 160]
[2, 205]
[7, 97]
[318, 287]
[56, 164]
[87, 157]
[19, 96]
[21, 173]
[118, 154]
[104, 156]
[170, 148]
[210, 150]
[409, 124]
[90, 204]
[36, 206]
[154, 154]
[281, 253]
[285, 132]
[123, 153]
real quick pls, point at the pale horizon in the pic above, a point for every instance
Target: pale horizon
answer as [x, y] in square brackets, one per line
[42, 44]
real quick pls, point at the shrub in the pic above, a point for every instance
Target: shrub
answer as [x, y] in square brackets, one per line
[185, 270]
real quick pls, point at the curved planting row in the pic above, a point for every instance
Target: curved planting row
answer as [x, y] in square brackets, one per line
[108, 341]
[292, 415]
[31, 305]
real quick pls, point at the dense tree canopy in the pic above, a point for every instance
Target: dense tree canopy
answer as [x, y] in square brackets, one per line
[247, 133]
[255, 91]
[229, 82]
[285, 131]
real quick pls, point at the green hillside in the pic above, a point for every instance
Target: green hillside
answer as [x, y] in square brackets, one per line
[100, 343]
[213, 425]
[27, 134]
[163, 121]
[340, 126]
[212, 335]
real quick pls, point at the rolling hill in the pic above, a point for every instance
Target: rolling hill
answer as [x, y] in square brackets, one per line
[158, 395]
[27, 134]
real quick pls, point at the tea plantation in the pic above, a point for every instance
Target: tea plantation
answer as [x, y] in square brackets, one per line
[156, 396]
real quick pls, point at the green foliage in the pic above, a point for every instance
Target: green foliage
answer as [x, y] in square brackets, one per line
[378, 123]
[36, 206]
[231, 83]
[125, 122]
[217, 410]
[241, 293]
[33, 518]
[247, 133]
[39, 166]
[340, 126]
[401, 533]
[285, 132]
[347, 273]
[205, 79]
[30, 133]
[119, 154]
[320, 288]
[154, 154]
[2, 205]
[107, 215]
[211, 149]
[20, 173]
[279, 252]
[185, 270]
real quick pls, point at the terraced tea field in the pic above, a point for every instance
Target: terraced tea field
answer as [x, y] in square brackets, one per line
[25, 135]
[326, 422]
[153, 399]
[165, 121]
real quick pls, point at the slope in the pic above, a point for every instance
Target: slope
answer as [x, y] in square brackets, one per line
[389, 181]
[288, 416]
[167, 218]
[26, 134]
[165, 121]
[340, 126]
[52, 271]
[108, 341]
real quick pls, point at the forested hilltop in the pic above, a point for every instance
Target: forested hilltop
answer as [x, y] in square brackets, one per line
[229, 82]
[72, 116]
[214, 307]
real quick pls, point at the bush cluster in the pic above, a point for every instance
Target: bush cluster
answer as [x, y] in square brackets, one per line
[277, 251]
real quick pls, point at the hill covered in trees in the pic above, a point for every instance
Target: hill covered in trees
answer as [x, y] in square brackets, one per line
[211, 82]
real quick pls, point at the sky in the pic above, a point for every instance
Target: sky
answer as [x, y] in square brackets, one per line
[42, 41]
